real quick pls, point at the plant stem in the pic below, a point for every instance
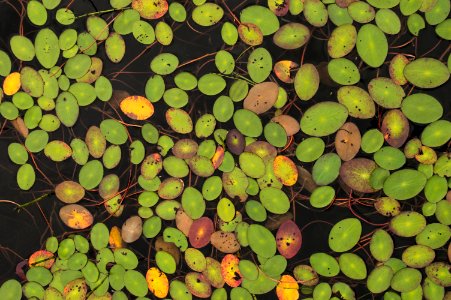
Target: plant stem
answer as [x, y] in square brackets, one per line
[101, 12]
[33, 201]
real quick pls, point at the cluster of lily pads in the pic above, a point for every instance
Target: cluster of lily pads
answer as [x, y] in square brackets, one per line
[217, 191]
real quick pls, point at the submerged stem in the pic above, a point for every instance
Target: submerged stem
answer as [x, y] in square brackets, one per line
[101, 12]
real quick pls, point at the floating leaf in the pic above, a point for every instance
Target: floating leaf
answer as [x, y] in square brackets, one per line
[157, 282]
[372, 45]
[323, 118]
[404, 184]
[137, 107]
[306, 82]
[76, 216]
[261, 241]
[262, 17]
[345, 234]
[22, 48]
[291, 36]
[207, 14]
[150, 10]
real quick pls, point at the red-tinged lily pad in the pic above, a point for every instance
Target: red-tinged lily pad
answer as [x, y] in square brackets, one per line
[356, 174]
[285, 170]
[261, 97]
[263, 149]
[200, 232]
[41, 258]
[287, 288]
[288, 239]
[347, 141]
[218, 157]
[76, 289]
[137, 107]
[230, 270]
[279, 7]
[250, 34]
[395, 128]
[150, 9]
[283, 69]
[226, 242]
[69, 192]
[198, 285]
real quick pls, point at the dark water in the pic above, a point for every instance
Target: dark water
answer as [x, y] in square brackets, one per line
[23, 234]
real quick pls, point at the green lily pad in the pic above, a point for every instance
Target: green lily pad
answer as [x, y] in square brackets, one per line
[58, 151]
[379, 279]
[306, 82]
[259, 64]
[164, 64]
[211, 84]
[388, 21]
[22, 48]
[115, 47]
[291, 36]
[26, 177]
[345, 234]
[262, 17]
[343, 71]
[114, 132]
[323, 118]
[407, 224]
[372, 45]
[421, 108]
[426, 73]
[91, 174]
[315, 12]
[342, 41]
[207, 14]
[261, 241]
[324, 264]
[436, 133]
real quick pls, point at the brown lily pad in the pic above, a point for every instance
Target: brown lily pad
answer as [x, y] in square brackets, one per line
[261, 97]
[183, 221]
[290, 124]
[226, 242]
[347, 141]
